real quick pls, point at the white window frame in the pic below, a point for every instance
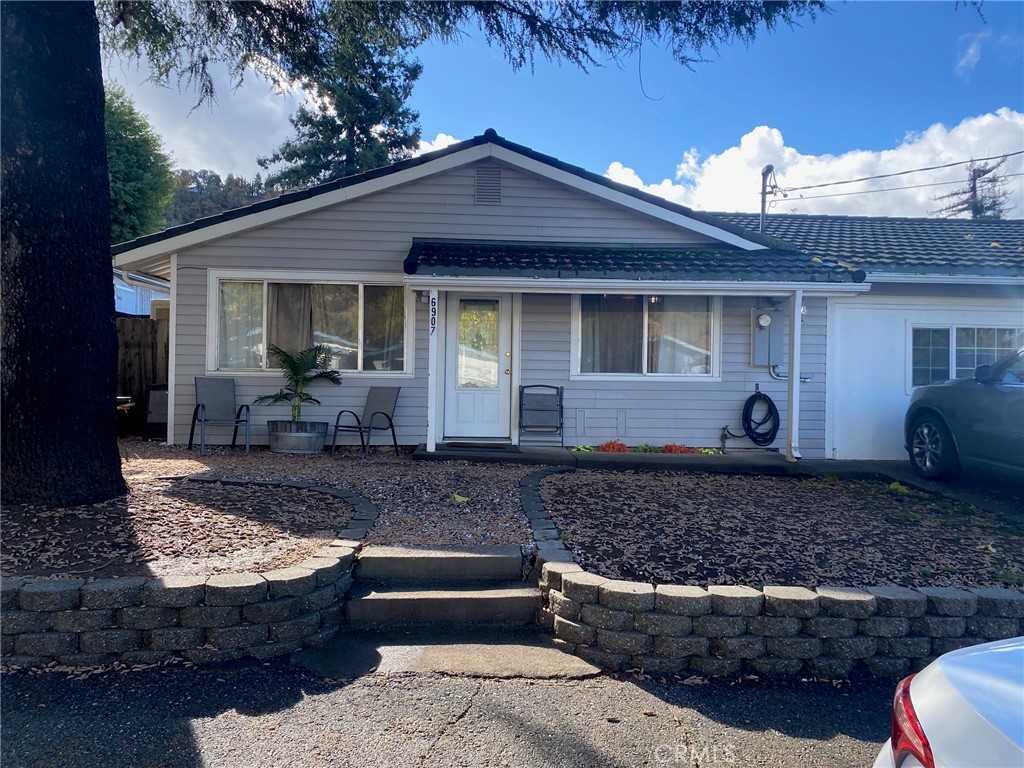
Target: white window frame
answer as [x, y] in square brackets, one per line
[575, 343]
[951, 329]
[361, 279]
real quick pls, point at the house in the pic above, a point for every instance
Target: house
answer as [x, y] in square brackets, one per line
[467, 272]
[134, 294]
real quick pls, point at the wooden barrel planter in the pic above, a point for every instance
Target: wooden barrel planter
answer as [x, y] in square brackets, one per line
[306, 437]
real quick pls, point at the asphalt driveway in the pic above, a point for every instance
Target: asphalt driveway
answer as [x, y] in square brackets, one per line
[252, 714]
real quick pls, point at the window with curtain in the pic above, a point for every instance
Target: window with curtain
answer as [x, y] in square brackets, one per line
[364, 325]
[646, 335]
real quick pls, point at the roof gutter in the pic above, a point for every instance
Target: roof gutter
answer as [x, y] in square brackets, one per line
[895, 277]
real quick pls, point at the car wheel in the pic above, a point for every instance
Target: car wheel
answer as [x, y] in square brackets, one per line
[932, 451]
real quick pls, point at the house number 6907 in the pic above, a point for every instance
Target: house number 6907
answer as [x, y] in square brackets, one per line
[433, 314]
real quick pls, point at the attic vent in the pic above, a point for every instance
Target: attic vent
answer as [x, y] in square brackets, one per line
[488, 184]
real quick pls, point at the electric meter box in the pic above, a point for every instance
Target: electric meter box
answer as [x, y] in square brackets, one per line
[767, 337]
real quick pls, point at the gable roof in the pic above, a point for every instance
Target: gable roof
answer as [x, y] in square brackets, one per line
[145, 249]
[897, 247]
[464, 258]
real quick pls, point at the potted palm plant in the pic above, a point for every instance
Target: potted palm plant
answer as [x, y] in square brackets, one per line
[300, 370]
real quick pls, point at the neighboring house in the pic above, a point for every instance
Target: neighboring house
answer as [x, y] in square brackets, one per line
[464, 273]
[946, 296]
[134, 293]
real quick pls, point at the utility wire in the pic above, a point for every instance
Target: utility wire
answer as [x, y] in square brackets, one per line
[902, 173]
[884, 189]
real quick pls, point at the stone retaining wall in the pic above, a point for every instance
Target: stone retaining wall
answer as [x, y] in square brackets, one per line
[200, 618]
[831, 632]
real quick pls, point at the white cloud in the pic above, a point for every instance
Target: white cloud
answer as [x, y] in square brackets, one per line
[440, 141]
[969, 47]
[731, 180]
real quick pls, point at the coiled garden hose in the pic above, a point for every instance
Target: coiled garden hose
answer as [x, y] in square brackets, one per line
[755, 429]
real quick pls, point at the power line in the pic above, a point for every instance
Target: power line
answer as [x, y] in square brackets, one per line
[884, 189]
[902, 173]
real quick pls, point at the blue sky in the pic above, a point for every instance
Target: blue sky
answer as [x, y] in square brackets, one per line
[870, 88]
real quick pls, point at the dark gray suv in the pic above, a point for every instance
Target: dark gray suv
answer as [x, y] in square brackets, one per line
[969, 423]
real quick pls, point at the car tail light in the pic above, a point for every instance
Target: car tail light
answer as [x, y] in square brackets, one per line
[907, 735]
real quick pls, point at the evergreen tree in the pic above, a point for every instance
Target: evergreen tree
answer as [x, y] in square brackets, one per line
[141, 180]
[984, 196]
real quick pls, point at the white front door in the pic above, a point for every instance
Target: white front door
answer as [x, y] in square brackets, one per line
[478, 367]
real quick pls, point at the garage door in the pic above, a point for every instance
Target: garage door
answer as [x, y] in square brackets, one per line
[869, 376]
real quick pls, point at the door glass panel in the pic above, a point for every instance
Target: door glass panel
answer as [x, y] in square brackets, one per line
[478, 344]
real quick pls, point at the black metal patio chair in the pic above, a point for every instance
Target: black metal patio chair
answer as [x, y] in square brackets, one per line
[215, 404]
[378, 414]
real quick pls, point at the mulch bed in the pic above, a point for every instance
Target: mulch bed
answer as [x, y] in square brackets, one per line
[717, 529]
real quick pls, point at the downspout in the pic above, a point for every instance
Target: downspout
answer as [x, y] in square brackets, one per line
[793, 383]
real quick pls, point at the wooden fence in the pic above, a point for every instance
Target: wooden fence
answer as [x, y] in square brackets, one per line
[142, 347]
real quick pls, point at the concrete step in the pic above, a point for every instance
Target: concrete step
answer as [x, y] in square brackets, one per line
[398, 603]
[451, 564]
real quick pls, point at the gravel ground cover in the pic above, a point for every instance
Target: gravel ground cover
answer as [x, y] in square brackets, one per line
[173, 526]
[717, 529]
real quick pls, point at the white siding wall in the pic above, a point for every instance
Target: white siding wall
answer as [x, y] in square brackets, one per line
[660, 412]
[373, 234]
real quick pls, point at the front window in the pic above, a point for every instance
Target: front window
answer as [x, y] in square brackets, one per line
[946, 353]
[363, 325]
[646, 335]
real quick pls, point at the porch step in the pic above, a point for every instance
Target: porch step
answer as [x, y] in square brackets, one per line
[419, 603]
[450, 564]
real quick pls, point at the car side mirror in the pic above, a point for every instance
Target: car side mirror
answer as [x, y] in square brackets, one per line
[983, 373]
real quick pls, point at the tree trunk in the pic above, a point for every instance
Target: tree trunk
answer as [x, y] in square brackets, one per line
[59, 366]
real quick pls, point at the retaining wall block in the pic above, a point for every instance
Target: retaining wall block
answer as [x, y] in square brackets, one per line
[574, 632]
[794, 647]
[905, 647]
[941, 645]
[173, 638]
[146, 617]
[317, 600]
[830, 668]
[87, 659]
[15, 661]
[345, 555]
[899, 601]
[295, 629]
[82, 621]
[916, 665]
[320, 638]
[235, 589]
[847, 602]
[19, 622]
[743, 647]
[735, 601]
[850, 647]
[174, 591]
[241, 636]
[825, 626]
[551, 574]
[774, 626]
[113, 593]
[991, 628]
[110, 641]
[627, 596]
[888, 666]
[6, 645]
[630, 643]
[798, 602]
[715, 667]
[325, 569]
[999, 602]
[769, 666]
[212, 655]
[947, 601]
[45, 643]
[563, 606]
[885, 626]
[272, 610]
[293, 582]
[564, 646]
[332, 616]
[939, 626]
[662, 624]
[209, 616]
[660, 665]
[720, 626]
[582, 587]
[682, 600]
[343, 585]
[270, 650]
[616, 662]
[9, 593]
[678, 647]
[605, 618]
[50, 595]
